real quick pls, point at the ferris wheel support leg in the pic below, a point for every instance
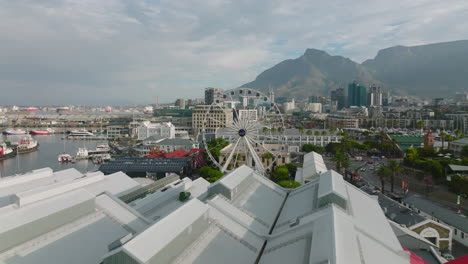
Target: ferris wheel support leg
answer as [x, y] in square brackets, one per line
[258, 162]
[226, 164]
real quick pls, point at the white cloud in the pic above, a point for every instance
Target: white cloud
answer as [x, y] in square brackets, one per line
[134, 50]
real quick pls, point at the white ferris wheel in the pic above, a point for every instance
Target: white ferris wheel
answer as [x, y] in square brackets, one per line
[252, 123]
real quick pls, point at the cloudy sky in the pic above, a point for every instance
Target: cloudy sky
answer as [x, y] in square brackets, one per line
[131, 51]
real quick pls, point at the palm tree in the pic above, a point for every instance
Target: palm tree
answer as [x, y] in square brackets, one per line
[265, 130]
[340, 160]
[309, 133]
[273, 130]
[394, 168]
[280, 129]
[459, 133]
[268, 156]
[324, 133]
[383, 173]
[316, 133]
[442, 136]
[301, 131]
[382, 136]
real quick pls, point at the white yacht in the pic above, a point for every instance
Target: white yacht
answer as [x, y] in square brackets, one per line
[80, 134]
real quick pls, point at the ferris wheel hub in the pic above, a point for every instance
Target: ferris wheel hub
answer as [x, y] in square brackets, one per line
[242, 132]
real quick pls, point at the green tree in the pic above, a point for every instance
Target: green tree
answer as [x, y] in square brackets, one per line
[281, 173]
[383, 173]
[340, 160]
[382, 136]
[268, 155]
[464, 152]
[309, 148]
[210, 174]
[309, 132]
[214, 175]
[317, 133]
[411, 156]
[459, 133]
[265, 130]
[289, 184]
[301, 130]
[216, 145]
[273, 130]
[420, 124]
[366, 133]
[324, 133]
[426, 152]
[292, 168]
[442, 136]
[394, 168]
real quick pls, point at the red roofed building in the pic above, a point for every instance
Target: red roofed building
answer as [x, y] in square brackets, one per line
[196, 154]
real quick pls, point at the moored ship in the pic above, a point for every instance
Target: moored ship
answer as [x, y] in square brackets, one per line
[15, 132]
[27, 144]
[81, 134]
[6, 152]
[40, 132]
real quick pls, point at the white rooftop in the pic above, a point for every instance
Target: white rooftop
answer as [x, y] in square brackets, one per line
[312, 167]
[68, 217]
[325, 221]
[167, 229]
[65, 216]
[157, 205]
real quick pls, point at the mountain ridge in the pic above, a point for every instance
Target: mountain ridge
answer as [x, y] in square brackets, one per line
[433, 69]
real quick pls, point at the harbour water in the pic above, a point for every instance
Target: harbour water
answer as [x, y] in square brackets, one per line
[49, 148]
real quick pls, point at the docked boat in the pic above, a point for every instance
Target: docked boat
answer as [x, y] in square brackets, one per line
[64, 157]
[40, 132]
[15, 132]
[82, 154]
[100, 158]
[102, 148]
[6, 152]
[81, 134]
[27, 144]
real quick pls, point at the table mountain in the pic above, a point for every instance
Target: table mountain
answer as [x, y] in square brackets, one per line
[315, 72]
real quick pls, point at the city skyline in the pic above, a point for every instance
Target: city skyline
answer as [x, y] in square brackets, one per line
[130, 52]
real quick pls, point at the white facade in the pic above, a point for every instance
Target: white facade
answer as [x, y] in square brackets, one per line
[314, 107]
[289, 106]
[148, 129]
[248, 114]
[375, 96]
